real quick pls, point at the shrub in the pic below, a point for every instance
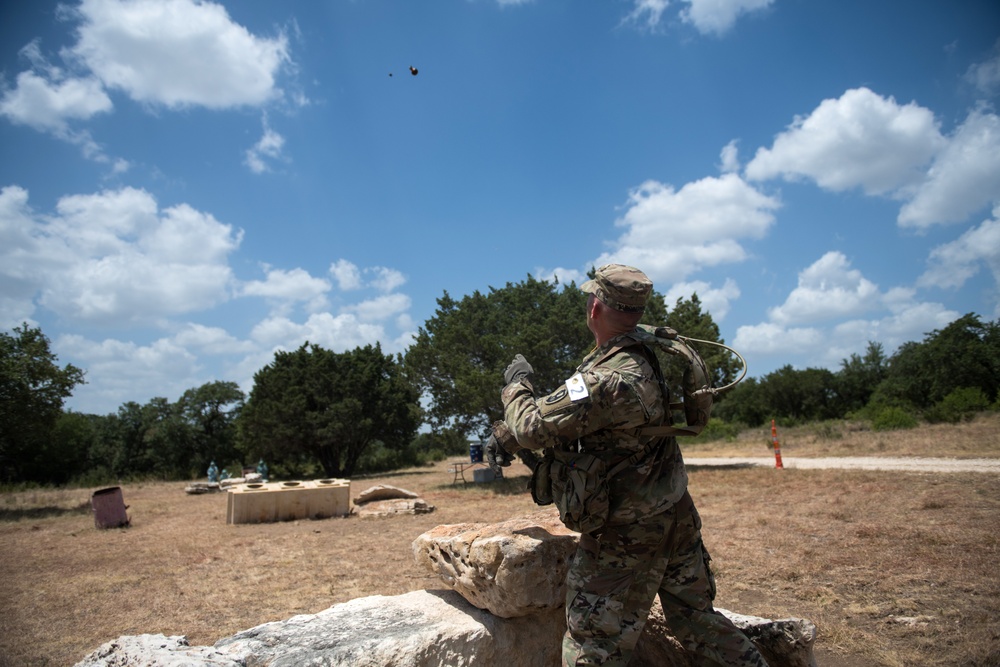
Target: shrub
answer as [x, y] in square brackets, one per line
[892, 418]
[961, 403]
[718, 429]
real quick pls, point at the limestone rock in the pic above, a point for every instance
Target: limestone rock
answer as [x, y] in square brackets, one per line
[394, 506]
[512, 569]
[419, 629]
[383, 492]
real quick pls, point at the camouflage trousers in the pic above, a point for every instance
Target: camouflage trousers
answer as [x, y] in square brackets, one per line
[614, 577]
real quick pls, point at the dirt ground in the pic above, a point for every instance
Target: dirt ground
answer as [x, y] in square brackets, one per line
[894, 567]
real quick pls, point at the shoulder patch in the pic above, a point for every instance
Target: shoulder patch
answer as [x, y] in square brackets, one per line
[577, 388]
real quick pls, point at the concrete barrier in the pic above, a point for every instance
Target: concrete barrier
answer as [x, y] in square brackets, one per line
[288, 501]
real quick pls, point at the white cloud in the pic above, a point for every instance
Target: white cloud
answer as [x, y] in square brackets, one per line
[828, 289]
[47, 105]
[769, 338]
[563, 275]
[730, 157]
[715, 300]
[338, 333]
[671, 234]
[951, 264]
[985, 76]
[286, 287]
[211, 340]
[647, 13]
[964, 178]
[380, 308]
[114, 256]
[859, 140]
[119, 371]
[269, 147]
[719, 16]
[347, 275]
[177, 53]
[386, 280]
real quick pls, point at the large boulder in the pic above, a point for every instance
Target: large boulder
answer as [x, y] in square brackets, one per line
[418, 629]
[512, 569]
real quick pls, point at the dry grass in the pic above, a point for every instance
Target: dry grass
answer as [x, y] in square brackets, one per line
[976, 439]
[894, 568]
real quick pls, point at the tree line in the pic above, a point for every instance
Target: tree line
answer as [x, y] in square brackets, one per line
[312, 411]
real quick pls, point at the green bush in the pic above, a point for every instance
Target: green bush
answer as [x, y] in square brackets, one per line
[961, 403]
[892, 418]
[717, 429]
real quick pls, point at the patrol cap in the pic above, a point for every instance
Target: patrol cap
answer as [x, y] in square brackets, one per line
[621, 287]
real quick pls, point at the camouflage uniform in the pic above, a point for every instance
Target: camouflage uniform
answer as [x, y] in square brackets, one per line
[651, 543]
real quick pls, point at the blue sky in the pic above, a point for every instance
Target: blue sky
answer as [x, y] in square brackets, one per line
[187, 187]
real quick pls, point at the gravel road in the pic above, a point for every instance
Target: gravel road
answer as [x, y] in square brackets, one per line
[856, 462]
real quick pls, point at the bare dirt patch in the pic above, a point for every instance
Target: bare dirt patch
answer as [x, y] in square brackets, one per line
[895, 568]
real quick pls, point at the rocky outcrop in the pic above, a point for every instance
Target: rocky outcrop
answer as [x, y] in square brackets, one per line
[504, 609]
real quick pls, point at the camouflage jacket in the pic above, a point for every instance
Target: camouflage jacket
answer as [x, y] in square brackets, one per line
[599, 410]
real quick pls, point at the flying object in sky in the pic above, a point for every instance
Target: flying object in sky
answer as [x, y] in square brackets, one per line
[413, 70]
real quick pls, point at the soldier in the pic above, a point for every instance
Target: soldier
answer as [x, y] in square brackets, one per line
[649, 542]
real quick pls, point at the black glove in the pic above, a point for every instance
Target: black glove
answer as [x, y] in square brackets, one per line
[519, 368]
[496, 455]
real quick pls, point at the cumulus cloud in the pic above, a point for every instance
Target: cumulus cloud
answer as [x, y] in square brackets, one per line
[964, 178]
[120, 371]
[831, 292]
[730, 157]
[350, 277]
[672, 234]
[380, 308]
[828, 289]
[863, 140]
[719, 16]
[46, 105]
[952, 264]
[177, 53]
[715, 300]
[347, 275]
[288, 287]
[115, 256]
[858, 140]
[334, 332]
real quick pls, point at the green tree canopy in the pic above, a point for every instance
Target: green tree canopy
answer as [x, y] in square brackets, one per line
[966, 353]
[32, 390]
[316, 405]
[460, 354]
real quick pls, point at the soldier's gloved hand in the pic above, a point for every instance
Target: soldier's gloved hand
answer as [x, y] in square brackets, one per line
[517, 369]
[496, 455]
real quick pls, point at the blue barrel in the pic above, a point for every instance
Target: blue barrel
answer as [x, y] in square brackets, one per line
[476, 452]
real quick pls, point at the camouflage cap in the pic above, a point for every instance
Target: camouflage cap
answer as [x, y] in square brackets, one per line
[621, 287]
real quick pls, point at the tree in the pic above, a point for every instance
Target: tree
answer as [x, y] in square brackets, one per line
[860, 375]
[211, 412]
[316, 405]
[32, 390]
[460, 354]
[966, 353]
